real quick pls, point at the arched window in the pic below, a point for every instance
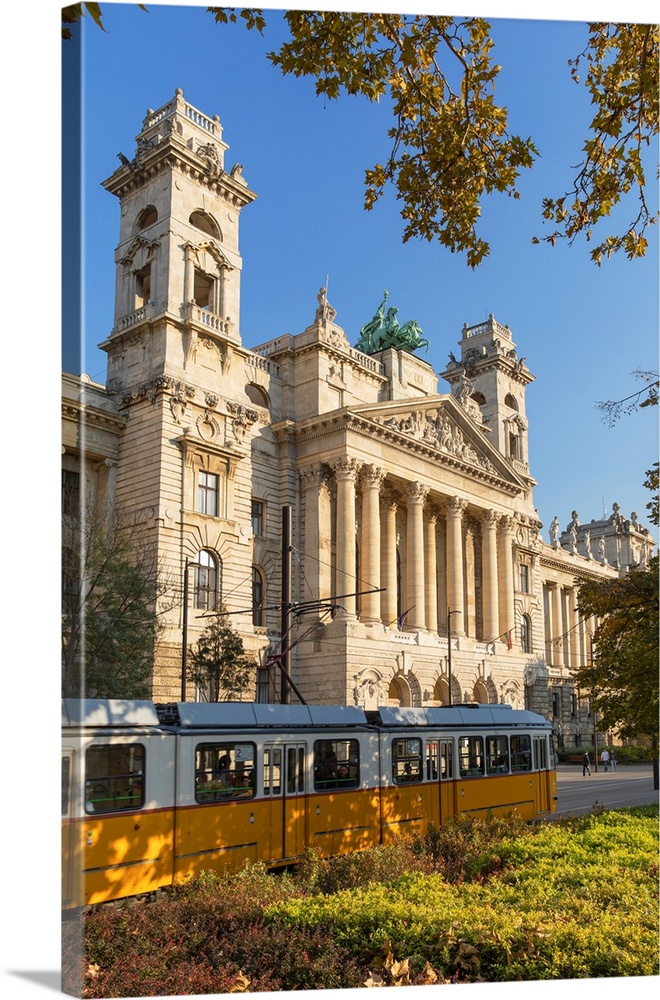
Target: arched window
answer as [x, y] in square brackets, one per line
[511, 401]
[258, 591]
[256, 394]
[205, 222]
[146, 218]
[480, 693]
[526, 633]
[205, 581]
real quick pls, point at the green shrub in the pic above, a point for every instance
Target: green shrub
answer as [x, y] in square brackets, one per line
[479, 900]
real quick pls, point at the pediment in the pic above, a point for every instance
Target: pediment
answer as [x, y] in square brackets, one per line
[440, 425]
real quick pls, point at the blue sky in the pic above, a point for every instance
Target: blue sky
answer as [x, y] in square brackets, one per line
[582, 329]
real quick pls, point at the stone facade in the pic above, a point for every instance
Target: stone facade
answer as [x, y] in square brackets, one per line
[418, 573]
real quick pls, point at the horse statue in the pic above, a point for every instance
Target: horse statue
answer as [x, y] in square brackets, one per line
[383, 331]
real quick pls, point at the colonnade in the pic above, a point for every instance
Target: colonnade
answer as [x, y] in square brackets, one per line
[424, 515]
[567, 633]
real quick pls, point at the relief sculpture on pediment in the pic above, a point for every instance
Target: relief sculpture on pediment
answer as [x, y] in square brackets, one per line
[434, 428]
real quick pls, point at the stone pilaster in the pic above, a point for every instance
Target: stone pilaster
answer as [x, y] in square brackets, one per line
[317, 553]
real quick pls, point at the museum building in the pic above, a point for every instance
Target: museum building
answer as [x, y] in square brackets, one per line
[367, 529]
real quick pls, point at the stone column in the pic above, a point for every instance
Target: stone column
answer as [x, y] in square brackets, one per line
[574, 628]
[388, 561]
[505, 576]
[317, 550]
[490, 590]
[372, 478]
[415, 496]
[557, 641]
[431, 571]
[346, 470]
[454, 509]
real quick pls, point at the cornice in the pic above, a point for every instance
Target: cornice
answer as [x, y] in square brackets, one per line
[170, 155]
[346, 420]
[75, 410]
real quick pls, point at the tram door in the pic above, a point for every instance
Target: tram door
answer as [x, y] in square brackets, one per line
[541, 766]
[447, 785]
[284, 784]
[68, 858]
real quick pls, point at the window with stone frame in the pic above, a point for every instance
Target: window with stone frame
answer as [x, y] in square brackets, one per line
[206, 581]
[208, 491]
[70, 493]
[143, 286]
[258, 591]
[526, 633]
[204, 290]
[524, 578]
[258, 515]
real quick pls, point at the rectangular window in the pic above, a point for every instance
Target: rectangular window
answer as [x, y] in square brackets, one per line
[273, 771]
[431, 761]
[70, 493]
[406, 760]
[114, 778]
[524, 578]
[224, 771]
[258, 517]
[143, 287]
[521, 753]
[471, 756]
[295, 770]
[336, 764]
[207, 494]
[497, 754]
[203, 291]
[446, 761]
[556, 704]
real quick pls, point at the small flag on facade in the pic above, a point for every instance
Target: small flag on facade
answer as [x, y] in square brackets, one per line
[509, 638]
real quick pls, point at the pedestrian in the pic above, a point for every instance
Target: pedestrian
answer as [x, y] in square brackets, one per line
[586, 764]
[605, 758]
[613, 761]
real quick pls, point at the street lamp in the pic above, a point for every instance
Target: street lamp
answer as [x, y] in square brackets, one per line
[449, 614]
[184, 651]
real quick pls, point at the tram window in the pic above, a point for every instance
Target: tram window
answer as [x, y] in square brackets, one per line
[521, 753]
[66, 783]
[336, 764]
[541, 753]
[224, 771]
[114, 778]
[272, 771]
[471, 756]
[497, 754]
[431, 761]
[407, 760]
[295, 769]
[446, 760]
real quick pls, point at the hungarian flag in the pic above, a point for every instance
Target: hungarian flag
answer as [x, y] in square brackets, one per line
[509, 638]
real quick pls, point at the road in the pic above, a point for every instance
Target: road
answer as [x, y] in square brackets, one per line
[629, 785]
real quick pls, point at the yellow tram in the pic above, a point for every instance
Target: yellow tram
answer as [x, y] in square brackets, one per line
[154, 794]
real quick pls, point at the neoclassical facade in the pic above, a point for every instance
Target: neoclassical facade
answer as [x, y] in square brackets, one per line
[414, 571]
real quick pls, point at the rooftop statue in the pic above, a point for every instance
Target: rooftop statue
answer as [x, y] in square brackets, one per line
[383, 330]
